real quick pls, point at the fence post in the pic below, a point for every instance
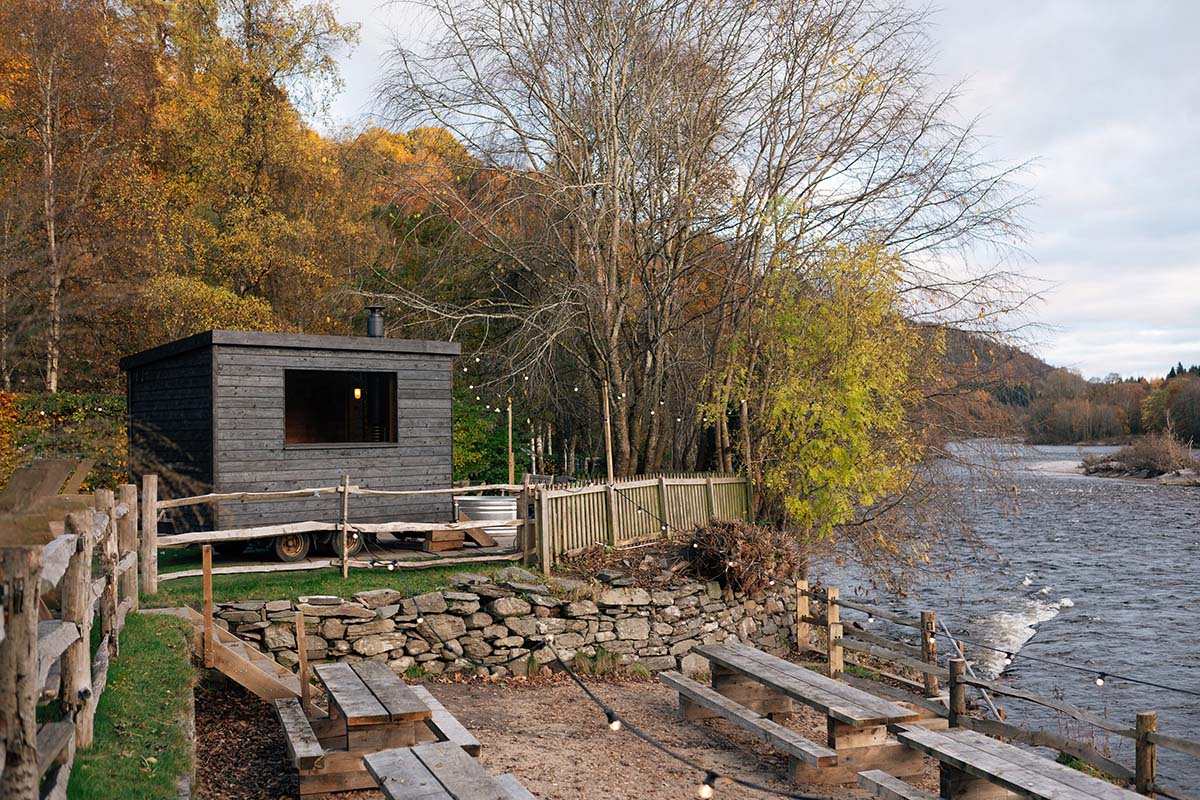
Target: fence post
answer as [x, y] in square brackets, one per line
[106, 505]
[512, 464]
[749, 499]
[662, 505]
[302, 654]
[20, 568]
[833, 629]
[127, 542]
[76, 690]
[148, 557]
[958, 691]
[711, 496]
[1147, 751]
[345, 526]
[929, 650]
[802, 611]
[610, 513]
[607, 433]
[542, 530]
[210, 657]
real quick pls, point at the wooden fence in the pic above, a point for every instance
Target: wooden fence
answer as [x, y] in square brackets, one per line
[635, 511]
[52, 594]
[552, 520]
[915, 675]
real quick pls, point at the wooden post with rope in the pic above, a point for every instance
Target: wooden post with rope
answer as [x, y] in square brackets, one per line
[958, 691]
[929, 650]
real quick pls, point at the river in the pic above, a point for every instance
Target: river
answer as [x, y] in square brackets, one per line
[1098, 572]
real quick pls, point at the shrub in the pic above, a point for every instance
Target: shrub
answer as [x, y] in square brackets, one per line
[747, 557]
[1154, 453]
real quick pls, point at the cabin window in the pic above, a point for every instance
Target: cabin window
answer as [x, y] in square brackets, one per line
[333, 407]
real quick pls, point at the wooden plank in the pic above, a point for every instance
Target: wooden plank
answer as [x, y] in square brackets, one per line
[513, 787]
[895, 693]
[242, 534]
[402, 776]
[882, 613]
[444, 724]
[461, 775]
[1175, 743]
[55, 557]
[779, 737]
[852, 632]
[350, 695]
[884, 786]
[1058, 705]
[1008, 766]
[248, 569]
[480, 537]
[303, 748]
[1041, 738]
[52, 739]
[249, 675]
[54, 637]
[845, 703]
[884, 654]
[225, 497]
[82, 468]
[401, 702]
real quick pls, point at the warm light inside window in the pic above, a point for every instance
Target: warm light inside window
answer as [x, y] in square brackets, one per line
[357, 393]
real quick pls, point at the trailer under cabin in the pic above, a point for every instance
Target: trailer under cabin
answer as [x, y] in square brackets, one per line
[236, 411]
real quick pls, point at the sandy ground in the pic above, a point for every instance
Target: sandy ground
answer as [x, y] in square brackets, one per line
[546, 733]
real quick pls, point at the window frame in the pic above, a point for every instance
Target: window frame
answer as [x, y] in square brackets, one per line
[393, 407]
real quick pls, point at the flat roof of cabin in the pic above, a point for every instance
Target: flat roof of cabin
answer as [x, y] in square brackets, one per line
[299, 341]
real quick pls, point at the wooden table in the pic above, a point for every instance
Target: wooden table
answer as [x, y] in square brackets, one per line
[439, 771]
[977, 767]
[856, 720]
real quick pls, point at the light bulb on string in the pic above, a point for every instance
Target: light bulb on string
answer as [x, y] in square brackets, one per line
[1008, 659]
[870, 618]
[614, 722]
[1100, 679]
[707, 789]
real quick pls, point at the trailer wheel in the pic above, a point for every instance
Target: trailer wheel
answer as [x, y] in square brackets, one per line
[331, 543]
[292, 547]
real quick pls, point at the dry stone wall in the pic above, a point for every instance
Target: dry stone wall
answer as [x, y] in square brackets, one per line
[503, 620]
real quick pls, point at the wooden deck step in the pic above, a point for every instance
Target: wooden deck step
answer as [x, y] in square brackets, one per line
[887, 787]
[444, 724]
[776, 735]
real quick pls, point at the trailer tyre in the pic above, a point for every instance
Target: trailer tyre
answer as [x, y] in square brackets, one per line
[292, 547]
[331, 543]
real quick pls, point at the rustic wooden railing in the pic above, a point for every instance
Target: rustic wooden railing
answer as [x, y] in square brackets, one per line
[89, 572]
[552, 520]
[916, 668]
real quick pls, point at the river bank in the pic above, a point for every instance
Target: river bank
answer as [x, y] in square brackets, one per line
[1117, 469]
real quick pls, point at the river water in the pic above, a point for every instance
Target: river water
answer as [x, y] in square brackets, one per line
[1098, 572]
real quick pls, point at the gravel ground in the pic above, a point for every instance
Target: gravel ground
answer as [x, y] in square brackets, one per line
[545, 732]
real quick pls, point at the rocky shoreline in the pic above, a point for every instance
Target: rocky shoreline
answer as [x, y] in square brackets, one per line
[1117, 469]
[501, 621]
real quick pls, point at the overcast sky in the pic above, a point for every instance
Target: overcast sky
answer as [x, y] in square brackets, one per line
[1106, 96]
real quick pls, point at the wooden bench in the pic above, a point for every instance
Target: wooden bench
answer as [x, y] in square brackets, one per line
[697, 701]
[888, 787]
[976, 767]
[438, 771]
[443, 727]
[857, 722]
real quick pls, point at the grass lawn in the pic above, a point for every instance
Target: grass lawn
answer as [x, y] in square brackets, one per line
[290, 585]
[140, 748]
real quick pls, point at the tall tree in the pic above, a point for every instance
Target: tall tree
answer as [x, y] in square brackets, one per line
[666, 157]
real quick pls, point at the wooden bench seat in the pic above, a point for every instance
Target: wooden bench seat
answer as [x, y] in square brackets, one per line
[888, 787]
[974, 766]
[443, 726]
[438, 771]
[302, 746]
[693, 695]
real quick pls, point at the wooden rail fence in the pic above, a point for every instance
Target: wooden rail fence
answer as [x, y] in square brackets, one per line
[51, 596]
[552, 519]
[917, 669]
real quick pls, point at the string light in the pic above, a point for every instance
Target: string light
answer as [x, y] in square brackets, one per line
[1100, 679]
[707, 789]
[614, 722]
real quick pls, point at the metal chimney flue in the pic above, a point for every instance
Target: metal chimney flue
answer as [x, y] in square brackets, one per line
[375, 322]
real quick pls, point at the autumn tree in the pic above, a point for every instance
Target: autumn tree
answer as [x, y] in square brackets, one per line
[665, 159]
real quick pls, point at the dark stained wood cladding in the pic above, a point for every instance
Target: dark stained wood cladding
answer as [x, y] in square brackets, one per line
[240, 417]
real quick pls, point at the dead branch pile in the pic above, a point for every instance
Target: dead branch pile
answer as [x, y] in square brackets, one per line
[744, 556]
